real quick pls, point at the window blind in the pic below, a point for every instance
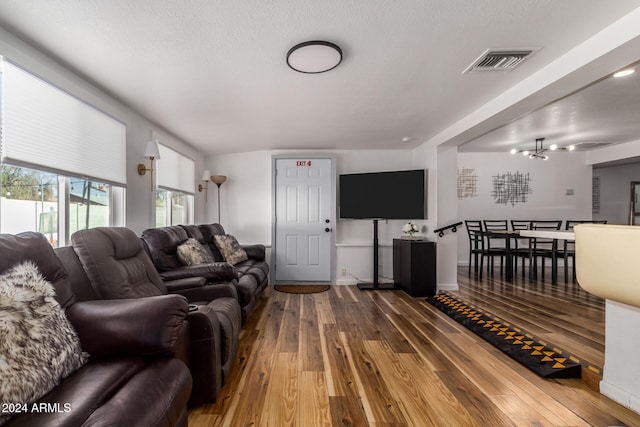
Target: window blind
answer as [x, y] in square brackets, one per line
[44, 126]
[175, 171]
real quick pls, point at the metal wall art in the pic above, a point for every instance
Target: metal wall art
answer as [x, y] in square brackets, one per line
[595, 195]
[511, 188]
[467, 183]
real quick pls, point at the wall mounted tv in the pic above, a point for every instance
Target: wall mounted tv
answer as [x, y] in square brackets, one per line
[383, 195]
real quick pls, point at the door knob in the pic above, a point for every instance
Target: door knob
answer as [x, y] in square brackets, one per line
[327, 221]
[327, 229]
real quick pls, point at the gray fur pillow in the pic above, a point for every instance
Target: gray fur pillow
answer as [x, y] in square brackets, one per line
[191, 252]
[38, 345]
[230, 249]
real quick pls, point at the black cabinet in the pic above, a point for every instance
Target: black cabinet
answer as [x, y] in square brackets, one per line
[414, 266]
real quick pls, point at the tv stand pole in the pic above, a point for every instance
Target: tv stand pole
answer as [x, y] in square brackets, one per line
[376, 285]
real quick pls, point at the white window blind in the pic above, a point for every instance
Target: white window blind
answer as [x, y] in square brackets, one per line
[47, 127]
[175, 171]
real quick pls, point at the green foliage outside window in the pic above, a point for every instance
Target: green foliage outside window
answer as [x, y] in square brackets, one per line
[28, 184]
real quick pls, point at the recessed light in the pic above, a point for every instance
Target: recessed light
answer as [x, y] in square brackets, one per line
[406, 139]
[624, 73]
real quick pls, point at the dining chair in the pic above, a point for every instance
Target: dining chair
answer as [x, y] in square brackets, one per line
[476, 244]
[496, 246]
[543, 248]
[521, 245]
[568, 249]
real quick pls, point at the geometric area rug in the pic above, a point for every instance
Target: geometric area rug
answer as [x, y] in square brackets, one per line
[544, 359]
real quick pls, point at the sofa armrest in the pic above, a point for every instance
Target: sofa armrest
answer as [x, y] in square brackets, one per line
[209, 292]
[178, 285]
[213, 272]
[129, 327]
[256, 252]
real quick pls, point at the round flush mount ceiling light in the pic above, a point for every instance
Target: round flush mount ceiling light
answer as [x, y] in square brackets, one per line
[314, 57]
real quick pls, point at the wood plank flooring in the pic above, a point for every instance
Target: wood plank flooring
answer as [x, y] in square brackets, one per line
[381, 358]
[559, 313]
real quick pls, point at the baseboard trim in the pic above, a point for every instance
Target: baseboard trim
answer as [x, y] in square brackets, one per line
[623, 397]
[448, 287]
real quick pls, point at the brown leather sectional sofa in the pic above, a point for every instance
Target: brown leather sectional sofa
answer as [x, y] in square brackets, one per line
[250, 277]
[133, 376]
[114, 286]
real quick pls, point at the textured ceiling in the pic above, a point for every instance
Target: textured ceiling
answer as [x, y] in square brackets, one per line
[213, 72]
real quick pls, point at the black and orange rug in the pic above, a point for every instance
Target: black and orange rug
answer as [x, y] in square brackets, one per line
[543, 358]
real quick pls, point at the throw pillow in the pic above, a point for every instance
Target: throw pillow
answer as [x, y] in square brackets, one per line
[230, 249]
[38, 345]
[191, 252]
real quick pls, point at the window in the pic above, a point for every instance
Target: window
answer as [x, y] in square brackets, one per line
[29, 202]
[55, 205]
[90, 204]
[173, 208]
[174, 195]
[62, 160]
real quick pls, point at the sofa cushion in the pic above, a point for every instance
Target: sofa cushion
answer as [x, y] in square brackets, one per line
[230, 249]
[38, 345]
[191, 252]
[208, 231]
[116, 263]
[258, 269]
[35, 247]
[162, 244]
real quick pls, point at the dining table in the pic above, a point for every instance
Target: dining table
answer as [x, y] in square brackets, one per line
[508, 235]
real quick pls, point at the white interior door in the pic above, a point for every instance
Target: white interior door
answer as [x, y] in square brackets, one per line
[304, 220]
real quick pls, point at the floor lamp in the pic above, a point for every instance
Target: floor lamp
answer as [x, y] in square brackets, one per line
[218, 180]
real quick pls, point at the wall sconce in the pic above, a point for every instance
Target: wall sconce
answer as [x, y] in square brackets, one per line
[150, 152]
[205, 177]
[218, 180]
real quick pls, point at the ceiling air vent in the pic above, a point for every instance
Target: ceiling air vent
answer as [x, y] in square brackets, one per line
[499, 59]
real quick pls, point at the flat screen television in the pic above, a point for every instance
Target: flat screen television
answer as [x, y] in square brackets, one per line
[383, 195]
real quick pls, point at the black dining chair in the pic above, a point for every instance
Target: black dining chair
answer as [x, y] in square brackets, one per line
[496, 246]
[521, 245]
[476, 244]
[543, 248]
[568, 249]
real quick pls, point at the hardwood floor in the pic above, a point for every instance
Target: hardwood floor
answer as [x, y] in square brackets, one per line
[381, 358]
[559, 313]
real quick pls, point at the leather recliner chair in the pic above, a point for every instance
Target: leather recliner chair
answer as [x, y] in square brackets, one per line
[132, 376]
[117, 266]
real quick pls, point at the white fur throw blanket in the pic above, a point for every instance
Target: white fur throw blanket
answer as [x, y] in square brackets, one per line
[38, 346]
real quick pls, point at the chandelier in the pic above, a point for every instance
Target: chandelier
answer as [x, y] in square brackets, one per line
[539, 152]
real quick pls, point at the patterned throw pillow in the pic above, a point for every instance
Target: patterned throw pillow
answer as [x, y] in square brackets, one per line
[230, 249]
[38, 345]
[191, 252]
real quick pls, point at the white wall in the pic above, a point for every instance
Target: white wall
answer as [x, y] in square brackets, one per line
[139, 199]
[621, 376]
[246, 206]
[550, 180]
[441, 163]
[447, 214]
[615, 194]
